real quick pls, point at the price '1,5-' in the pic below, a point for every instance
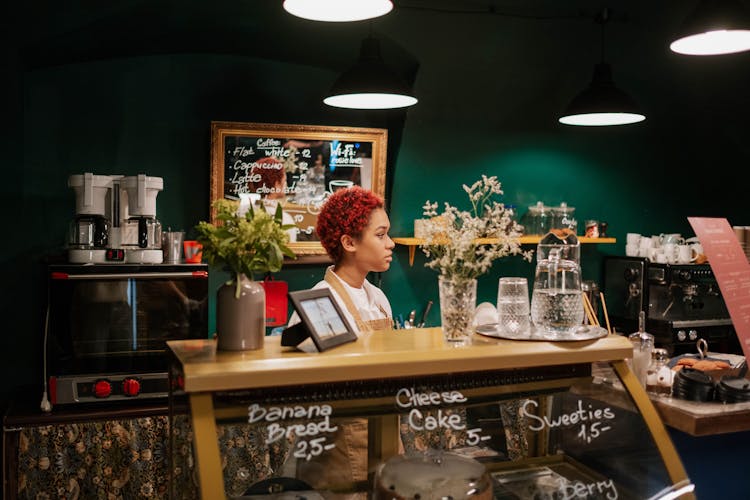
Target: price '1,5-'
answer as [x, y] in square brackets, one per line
[312, 448]
[592, 431]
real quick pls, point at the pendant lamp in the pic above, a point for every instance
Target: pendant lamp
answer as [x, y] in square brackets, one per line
[370, 84]
[338, 10]
[602, 103]
[714, 27]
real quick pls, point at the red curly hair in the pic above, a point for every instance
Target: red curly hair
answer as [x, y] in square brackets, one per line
[347, 211]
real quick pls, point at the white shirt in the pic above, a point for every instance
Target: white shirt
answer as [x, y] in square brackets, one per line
[368, 300]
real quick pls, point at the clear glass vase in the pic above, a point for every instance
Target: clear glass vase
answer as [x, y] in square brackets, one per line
[458, 298]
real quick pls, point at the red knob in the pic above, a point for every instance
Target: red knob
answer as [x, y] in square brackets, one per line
[102, 389]
[131, 387]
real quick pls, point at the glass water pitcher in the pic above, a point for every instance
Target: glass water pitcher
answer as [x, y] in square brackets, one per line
[556, 302]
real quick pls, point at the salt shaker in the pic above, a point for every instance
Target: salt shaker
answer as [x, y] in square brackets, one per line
[659, 375]
[643, 344]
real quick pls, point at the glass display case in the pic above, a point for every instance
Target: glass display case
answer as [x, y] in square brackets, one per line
[535, 417]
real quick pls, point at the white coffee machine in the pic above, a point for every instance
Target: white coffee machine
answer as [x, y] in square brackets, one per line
[115, 219]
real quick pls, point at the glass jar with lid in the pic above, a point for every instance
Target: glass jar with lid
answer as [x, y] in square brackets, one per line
[563, 217]
[536, 221]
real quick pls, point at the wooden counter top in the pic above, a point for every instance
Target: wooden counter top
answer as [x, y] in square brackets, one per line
[397, 353]
[696, 418]
[703, 418]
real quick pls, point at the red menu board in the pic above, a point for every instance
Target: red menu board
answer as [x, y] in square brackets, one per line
[731, 269]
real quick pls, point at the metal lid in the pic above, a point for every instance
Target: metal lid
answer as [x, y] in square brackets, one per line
[563, 208]
[660, 354]
[589, 286]
[538, 208]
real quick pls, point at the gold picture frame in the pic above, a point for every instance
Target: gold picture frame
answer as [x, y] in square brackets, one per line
[297, 166]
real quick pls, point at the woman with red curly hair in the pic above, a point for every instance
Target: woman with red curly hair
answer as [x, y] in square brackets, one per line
[353, 228]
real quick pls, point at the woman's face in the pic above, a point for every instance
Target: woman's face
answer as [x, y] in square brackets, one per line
[374, 249]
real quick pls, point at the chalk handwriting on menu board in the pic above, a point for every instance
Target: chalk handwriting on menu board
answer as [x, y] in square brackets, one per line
[311, 437]
[410, 398]
[592, 422]
[296, 167]
[294, 170]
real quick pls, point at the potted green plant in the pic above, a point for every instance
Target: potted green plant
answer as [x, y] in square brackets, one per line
[245, 243]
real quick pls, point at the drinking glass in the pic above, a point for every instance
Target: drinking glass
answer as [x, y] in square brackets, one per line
[513, 304]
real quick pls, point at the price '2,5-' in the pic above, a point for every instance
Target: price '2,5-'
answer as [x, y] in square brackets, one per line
[312, 448]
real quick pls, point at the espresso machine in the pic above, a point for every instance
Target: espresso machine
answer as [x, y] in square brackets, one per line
[115, 219]
[682, 303]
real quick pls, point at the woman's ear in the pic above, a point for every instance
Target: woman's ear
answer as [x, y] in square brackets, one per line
[347, 243]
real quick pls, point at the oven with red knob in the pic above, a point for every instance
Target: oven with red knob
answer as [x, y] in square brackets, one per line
[109, 324]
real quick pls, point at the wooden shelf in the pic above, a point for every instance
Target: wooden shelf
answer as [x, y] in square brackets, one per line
[413, 243]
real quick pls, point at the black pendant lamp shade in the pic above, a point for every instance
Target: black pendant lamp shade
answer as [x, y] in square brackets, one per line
[602, 103]
[370, 84]
[714, 27]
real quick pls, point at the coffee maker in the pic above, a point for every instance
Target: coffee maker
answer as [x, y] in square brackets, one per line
[115, 219]
[682, 303]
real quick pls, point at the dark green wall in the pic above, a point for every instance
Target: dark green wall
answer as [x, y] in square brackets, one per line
[113, 92]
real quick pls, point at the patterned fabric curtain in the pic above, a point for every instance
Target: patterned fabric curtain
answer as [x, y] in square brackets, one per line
[128, 459]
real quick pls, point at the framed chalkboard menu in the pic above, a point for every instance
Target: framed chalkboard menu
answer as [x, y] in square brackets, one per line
[296, 166]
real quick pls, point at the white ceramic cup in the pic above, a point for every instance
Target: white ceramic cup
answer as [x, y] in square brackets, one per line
[631, 250]
[646, 243]
[485, 313]
[670, 250]
[675, 238]
[633, 239]
[661, 258]
[697, 250]
[656, 241]
[684, 254]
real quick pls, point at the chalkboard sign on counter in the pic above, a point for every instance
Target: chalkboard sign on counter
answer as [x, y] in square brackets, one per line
[297, 166]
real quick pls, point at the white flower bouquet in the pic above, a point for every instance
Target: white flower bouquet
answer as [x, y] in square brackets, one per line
[462, 245]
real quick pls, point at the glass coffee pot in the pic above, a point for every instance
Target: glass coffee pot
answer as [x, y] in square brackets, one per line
[88, 232]
[556, 302]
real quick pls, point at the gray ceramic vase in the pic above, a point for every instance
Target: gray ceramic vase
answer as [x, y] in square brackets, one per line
[241, 322]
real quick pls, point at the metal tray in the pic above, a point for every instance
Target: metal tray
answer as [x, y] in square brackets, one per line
[583, 332]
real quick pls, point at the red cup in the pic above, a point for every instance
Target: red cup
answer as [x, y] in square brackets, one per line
[193, 251]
